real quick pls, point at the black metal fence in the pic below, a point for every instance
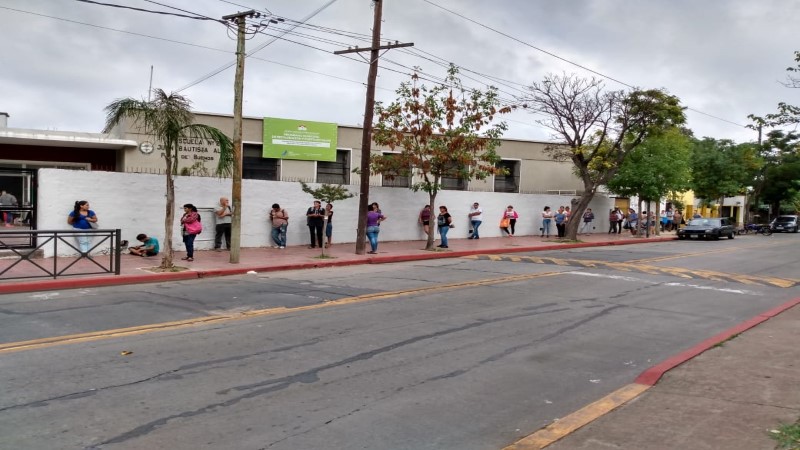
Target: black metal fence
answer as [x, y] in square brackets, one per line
[103, 256]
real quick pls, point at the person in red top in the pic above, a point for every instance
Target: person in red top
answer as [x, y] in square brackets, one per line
[191, 227]
[425, 219]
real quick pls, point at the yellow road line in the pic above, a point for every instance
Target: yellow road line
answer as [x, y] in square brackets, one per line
[143, 329]
[579, 418]
[650, 269]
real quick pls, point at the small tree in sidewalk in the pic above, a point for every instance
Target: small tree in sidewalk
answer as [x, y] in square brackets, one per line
[447, 131]
[169, 119]
[327, 193]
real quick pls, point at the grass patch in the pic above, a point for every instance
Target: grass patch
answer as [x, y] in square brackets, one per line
[324, 257]
[722, 343]
[788, 436]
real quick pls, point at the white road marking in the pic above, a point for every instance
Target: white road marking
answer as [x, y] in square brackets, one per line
[682, 285]
[45, 296]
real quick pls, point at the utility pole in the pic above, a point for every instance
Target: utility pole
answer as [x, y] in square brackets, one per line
[369, 111]
[238, 19]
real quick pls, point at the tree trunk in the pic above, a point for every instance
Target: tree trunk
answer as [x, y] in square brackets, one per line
[169, 217]
[576, 215]
[431, 223]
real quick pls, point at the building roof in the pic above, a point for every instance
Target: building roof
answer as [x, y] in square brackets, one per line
[21, 136]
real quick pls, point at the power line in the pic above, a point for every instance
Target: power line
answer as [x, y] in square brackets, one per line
[608, 77]
[260, 47]
[195, 17]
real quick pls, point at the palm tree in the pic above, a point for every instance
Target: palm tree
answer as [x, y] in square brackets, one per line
[169, 119]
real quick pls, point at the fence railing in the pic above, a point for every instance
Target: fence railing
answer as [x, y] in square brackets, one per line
[103, 256]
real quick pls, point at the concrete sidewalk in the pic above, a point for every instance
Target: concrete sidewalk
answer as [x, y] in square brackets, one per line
[134, 269]
[724, 393]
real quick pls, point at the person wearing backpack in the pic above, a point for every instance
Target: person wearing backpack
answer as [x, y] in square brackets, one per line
[191, 227]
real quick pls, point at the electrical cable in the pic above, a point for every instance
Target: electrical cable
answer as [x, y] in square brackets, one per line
[563, 59]
[147, 10]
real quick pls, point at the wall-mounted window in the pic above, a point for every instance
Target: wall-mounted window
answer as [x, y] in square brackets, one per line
[335, 172]
[510, 181]
[255, 167]
[396, 180]
[453, 184]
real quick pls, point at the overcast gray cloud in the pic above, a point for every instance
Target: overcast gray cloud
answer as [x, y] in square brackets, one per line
[725, 58]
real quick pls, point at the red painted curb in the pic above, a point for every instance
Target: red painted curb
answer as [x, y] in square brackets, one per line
[49, 285]
[651, 376]
[76, 283]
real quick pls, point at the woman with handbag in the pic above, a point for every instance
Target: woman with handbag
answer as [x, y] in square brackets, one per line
[190, 228]
[82, 218]
[444, 222]
[509, 220]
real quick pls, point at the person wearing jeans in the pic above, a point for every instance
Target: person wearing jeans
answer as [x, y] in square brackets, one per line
[444, 222]
[81, 218]
[280, 221]
[191, 227]
[374, 219]
[547, 219]
[475, 220]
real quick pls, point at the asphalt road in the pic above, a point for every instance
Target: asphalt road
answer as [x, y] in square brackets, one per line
[470, 353]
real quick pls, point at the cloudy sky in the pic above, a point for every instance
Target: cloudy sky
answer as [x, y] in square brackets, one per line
[62, 61]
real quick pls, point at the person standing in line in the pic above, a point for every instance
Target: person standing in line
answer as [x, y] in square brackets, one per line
[222, 216]
[510, 216]
[561, 221]
[547, 219]
[374, 219]
[612, 222]
[8, 200]
[670, 213]
[329, 225]
[315, 219]
[444, 222]
[620, 219]
[475, 214]
[633, 221]
[425, 219]
[191, 227]
[568, 213]
[588, 218]
[280, 221]
[677, 218]
[81, 218]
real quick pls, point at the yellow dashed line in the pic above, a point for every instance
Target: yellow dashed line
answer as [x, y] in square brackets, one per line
[143, 329]
[649, 269]
[579, 418]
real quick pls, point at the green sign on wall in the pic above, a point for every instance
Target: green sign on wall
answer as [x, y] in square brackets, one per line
[299, 139]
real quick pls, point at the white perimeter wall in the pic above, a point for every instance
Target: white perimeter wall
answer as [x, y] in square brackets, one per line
[136, 204]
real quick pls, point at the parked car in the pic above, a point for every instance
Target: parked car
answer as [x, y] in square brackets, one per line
[711, 228]
[784, 223]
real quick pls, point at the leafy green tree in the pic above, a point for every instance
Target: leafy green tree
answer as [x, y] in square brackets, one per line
[721, 168]
[656, 168]
[447, 131]
[598, 129]
[169, 119]
[327, 193]
[779, 184]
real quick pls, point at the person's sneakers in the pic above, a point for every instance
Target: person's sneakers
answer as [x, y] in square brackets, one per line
[273, 246]
[281, 246]
[217, 249]
[444, 246]
[372, 253]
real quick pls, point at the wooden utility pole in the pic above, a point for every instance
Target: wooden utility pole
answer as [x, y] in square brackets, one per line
[238, 90]
[369, 111]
